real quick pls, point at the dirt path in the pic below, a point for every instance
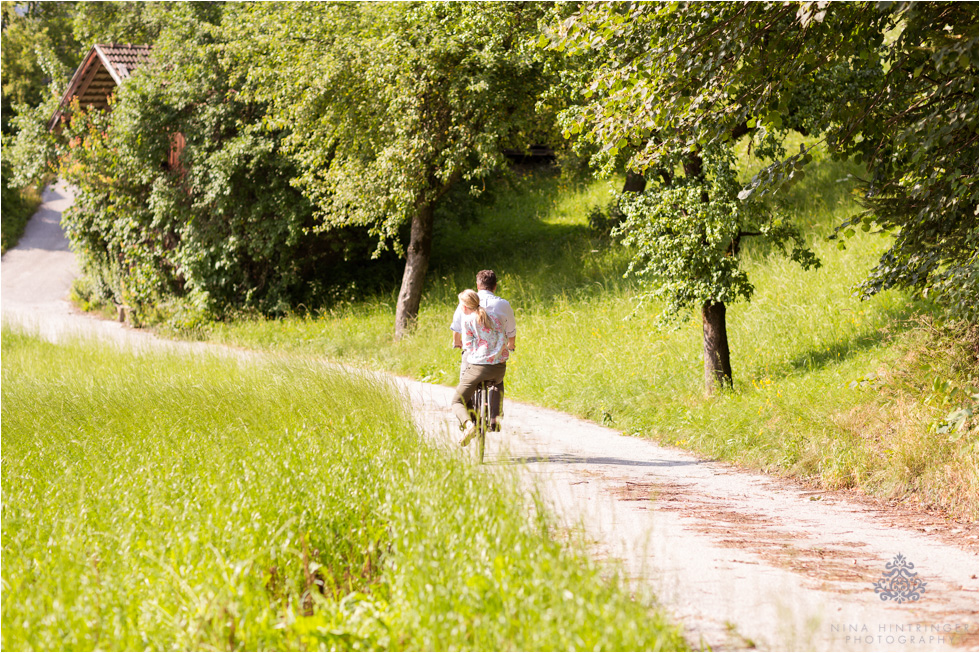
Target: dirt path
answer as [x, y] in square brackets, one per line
[741, 559]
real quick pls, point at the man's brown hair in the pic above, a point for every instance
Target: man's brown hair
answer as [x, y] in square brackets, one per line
[486, 279]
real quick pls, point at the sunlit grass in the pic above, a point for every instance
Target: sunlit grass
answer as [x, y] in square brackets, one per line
[586, 344]
[159, 502]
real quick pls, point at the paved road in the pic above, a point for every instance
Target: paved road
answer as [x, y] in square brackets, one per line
[741, 559]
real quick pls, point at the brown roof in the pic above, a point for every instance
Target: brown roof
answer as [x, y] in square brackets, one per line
[104, 68]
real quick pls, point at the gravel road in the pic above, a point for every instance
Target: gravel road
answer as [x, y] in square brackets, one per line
[743, 560]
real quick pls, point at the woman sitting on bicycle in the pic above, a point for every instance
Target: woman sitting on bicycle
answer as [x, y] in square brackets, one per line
[485, 344]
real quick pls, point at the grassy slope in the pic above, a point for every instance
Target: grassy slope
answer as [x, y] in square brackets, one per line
[165, 503]
[827, 388]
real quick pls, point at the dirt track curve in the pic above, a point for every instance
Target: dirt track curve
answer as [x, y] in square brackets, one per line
[742, 559]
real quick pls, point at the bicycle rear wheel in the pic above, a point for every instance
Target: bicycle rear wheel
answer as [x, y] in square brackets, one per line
[482, 405]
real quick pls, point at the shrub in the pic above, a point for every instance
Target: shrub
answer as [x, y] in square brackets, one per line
[216, 223]
[603, 221]
[18, 207]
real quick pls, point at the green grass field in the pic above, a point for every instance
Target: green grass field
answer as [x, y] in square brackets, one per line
[160, 502]
[829, 389]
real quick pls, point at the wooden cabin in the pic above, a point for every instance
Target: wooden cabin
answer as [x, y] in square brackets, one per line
[104, 68]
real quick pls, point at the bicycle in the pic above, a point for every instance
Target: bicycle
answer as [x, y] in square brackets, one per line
[480, 404]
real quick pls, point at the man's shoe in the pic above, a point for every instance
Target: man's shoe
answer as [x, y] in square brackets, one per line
[469, 432]
[496, 425]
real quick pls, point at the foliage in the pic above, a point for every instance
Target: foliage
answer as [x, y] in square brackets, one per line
[688, 225]
[222, 227]
[34, 151]
[918, 134]
[686, 236]
[18, 205]
[390, 105]
[198, 503]
[127, 21]
[407, 98]
[892, 84]
[662, 67]
[39, 51]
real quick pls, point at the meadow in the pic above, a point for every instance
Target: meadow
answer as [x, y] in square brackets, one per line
[828, 389]
[162, 502]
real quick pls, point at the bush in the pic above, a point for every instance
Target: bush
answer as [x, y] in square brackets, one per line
[18, 207]
[603, 221]
[215, 225]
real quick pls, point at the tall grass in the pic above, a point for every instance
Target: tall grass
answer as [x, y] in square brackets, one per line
[803, 348]
[158, 502]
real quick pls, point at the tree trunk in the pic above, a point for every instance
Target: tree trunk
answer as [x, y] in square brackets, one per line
[635, 182]
[416, 265]
[694, 169]
[717, 361]
[694, 165]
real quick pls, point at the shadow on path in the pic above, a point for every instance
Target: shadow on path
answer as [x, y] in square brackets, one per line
[592, 460]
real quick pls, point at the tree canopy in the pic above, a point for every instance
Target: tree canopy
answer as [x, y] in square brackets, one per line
[687, 220]
[214, 220]
[892, 85]
[308, 125]
[39, 48]
[391, 104]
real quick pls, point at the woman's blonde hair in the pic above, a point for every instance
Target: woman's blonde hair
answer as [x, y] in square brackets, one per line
[471, 300]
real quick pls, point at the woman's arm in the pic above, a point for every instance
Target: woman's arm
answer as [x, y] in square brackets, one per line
[467, 337]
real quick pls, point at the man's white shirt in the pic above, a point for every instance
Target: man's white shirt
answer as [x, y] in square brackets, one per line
[499, 308]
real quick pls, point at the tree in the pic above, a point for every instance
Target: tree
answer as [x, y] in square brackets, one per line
[917, 132]
[38, 49]
[684, 216]
[893, 85]
[126, 21]
[221, 228]
[687, 233]
[390, 105]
